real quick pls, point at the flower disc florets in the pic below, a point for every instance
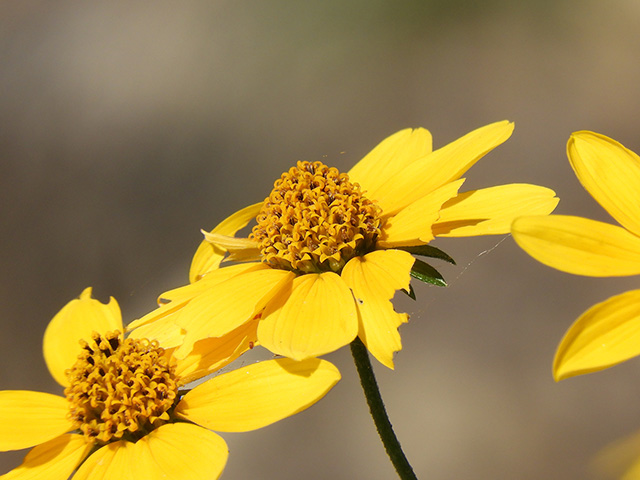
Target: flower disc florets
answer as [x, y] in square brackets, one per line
[315, 220]
[120, 387]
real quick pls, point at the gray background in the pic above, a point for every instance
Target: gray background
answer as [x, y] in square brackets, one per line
[125, 127]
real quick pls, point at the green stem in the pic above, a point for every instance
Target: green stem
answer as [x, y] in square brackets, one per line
[378, 412]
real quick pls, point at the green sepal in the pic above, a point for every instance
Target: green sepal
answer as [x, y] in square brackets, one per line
[410, 293]
[428, 251]
[427, 274]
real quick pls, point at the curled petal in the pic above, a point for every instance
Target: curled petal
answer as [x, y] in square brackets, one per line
[610, 173]
[579, 245]
[208, 256]
[605, 335]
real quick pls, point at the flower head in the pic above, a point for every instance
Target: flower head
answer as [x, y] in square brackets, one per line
[330, 249]
[609, 332]
[124, 408]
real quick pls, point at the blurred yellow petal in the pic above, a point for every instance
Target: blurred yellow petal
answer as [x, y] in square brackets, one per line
[439, 167]
[620, 459]
[29, 418]
[374, 279]
[164, 330]
[605, 335]
[211, 354]
[258, 395]
[389, 157]
[490, 211]
[53, 460]
[74, 322]
[413, 224]
[209, 256]
[579, 245]
[610, 173]
[317, 315]
[230, 304]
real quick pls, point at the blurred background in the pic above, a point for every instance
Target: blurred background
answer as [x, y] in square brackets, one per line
[125, 127]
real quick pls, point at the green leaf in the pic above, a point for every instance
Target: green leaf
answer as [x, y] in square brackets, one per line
[427, 274]
[428, 251]
[410, 293]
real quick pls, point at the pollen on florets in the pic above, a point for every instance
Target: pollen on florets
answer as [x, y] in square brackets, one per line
[315, 220]
[120, 388]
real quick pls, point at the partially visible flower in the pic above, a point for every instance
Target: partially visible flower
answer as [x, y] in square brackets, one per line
[330, 249]
[125, 411]
[609, 332]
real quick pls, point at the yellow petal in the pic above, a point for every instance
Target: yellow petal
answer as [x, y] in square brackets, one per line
[240, 249]
[389, 157]
[619, 459]
[29, 418]
[317, 315]
[173, 301]
[610, 173]
[53, 460]
[440, 167]
[579, 245]
[211, 354]
[176, 451]
[413, 224]
[605, 335]
[209, 256]
[490, 211]
[374, 280]
[258, 395]
[230, 304]
[74, 322]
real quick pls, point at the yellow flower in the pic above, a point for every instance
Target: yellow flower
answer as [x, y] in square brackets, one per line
[609, 332]
[125, 411]
[329, 249]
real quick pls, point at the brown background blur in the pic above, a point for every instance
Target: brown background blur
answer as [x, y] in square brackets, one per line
[125, 127]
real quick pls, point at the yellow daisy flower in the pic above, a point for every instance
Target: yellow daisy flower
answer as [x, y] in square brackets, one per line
[125, 411]
[609, 332]
[330, 249]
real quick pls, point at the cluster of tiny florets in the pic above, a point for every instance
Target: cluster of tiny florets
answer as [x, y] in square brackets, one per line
[120, 387]
[315, 220]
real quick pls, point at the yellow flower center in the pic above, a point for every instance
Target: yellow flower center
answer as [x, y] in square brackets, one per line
[315, 220]
[120, 388]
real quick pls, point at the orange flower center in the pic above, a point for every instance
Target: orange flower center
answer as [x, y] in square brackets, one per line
[120, 388]
[315, 220]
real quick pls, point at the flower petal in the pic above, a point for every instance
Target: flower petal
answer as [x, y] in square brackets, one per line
[176, 451]
[209, 256]
[605, 335]
[76, 321]
[317, 315]
[258, 395]
[610, 173]
[413, 224]
[374, 280]
[490, 211]
[230, 304]
[579, 245]
[211, 354]
[439, 167]
[29, 418]
[53, 460]
[390, 156]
